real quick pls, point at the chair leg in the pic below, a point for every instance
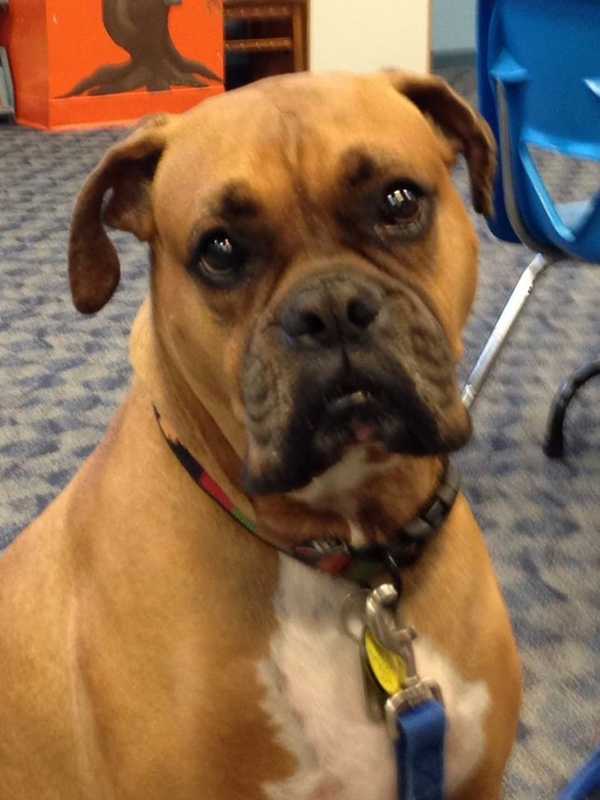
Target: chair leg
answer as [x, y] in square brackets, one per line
[554, 445]
[509, 315]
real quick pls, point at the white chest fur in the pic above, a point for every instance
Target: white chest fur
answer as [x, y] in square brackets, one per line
[335, 488]
[314, 697]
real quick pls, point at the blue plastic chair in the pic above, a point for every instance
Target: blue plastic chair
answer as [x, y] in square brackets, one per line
[586, 784]
[539, 87]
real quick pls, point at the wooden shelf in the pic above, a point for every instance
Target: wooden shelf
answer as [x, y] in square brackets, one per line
[271, 26]
[258, 45]
[265, 12]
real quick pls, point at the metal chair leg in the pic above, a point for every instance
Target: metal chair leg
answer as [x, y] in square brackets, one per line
[554, 446]
[502, 328]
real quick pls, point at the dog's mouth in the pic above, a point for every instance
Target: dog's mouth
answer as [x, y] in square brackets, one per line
[354, 416]
[361, 404]
[388, 414]
[358, 412]
[391, 415]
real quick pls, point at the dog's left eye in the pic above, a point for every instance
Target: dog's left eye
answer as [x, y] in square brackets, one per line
[219, 258]
[402, 203]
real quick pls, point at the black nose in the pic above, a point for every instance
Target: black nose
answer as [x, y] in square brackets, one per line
[329, 310]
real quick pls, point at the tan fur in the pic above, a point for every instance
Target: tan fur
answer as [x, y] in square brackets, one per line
[134, 611]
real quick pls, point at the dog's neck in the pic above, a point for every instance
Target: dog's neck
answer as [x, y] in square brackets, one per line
[371, 509]
[366, 498]
[185, 416]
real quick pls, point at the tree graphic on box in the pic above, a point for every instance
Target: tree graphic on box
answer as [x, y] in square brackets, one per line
[142, 28]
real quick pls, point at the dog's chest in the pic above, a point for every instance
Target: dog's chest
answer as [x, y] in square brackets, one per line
[314, 698]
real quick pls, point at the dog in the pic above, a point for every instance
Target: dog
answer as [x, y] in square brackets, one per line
[294, 400]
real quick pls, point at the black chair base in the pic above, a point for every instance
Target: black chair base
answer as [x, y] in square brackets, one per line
[554, 446]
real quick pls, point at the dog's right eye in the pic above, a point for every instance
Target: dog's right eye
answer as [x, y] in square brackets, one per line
[219, 258]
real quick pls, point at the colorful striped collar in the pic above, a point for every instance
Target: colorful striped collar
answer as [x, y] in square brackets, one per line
[362, 565]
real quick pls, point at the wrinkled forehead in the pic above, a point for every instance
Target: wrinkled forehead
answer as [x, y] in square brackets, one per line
[315, 132]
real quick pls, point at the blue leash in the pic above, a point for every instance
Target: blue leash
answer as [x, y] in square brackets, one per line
[420, 758]
[420, 752]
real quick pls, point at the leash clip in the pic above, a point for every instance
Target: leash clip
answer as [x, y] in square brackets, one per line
[381, 618]
[383, 623]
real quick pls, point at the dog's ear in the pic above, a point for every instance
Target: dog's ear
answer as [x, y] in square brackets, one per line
[127, 171]
[466, 130]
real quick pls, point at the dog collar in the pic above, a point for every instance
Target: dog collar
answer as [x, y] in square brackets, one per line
[359, 564]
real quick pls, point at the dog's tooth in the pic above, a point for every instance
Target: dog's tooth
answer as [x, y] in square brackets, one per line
[360, 397]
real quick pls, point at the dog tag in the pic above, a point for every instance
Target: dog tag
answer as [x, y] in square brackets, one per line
[387, 668]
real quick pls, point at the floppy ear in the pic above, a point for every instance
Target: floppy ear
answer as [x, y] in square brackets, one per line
[127, 170]
[467, 131]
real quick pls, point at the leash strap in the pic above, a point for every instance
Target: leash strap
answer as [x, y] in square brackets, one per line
[420, 752]
[586, 784]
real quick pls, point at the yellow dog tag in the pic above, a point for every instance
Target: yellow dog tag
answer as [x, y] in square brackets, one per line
[388, 669]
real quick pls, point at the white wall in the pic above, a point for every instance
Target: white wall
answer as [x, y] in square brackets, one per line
[453, 25]
[364, 35]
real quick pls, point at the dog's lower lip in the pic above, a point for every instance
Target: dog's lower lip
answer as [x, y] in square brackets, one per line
[363, 432]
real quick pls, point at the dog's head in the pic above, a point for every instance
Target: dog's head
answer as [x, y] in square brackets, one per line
[311, 260]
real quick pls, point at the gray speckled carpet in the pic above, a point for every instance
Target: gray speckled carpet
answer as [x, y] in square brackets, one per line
[62, 375]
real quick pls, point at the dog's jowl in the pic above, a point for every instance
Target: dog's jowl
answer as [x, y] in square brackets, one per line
[178, 624]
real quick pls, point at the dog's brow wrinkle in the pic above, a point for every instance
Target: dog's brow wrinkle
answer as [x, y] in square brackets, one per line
[293, 133]
[291, 139]
[358, 166]
[237, 200]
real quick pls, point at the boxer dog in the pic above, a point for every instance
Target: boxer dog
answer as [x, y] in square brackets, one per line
[294, 399]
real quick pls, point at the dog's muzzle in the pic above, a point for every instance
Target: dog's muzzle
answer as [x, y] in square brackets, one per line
[346, 361]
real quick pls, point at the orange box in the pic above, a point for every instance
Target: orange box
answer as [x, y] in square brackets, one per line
[100, 62]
